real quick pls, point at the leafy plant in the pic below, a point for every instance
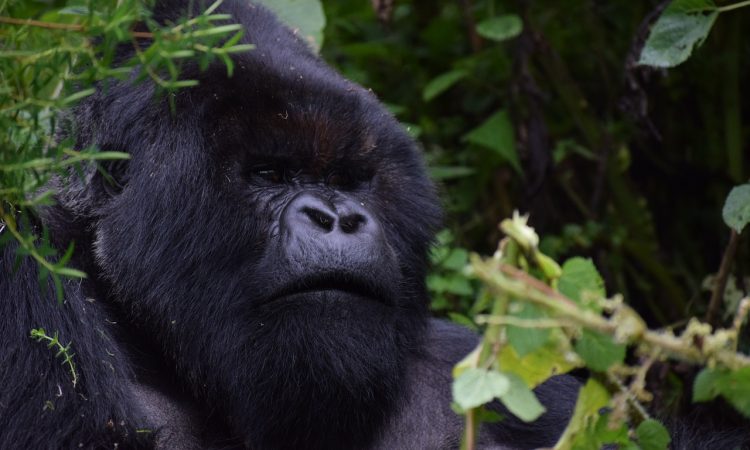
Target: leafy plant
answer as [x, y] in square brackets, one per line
[51, 56]
[544, 319]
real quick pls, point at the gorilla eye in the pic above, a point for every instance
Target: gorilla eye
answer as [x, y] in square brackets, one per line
[269, 173]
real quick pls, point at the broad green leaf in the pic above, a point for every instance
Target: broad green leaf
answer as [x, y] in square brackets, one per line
[475, 387]
[682, 27]
[442, 83]
[736, 212]
[579, 275]
[552, 359]
[500, 28]
[591, 399]
[305, 17]
[599, 351]
[527, 340]
[734, 386]
[521, 401]
[496, 133]
[652, 435]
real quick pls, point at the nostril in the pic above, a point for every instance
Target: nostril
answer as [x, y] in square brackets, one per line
[352, 223]
[319, 218]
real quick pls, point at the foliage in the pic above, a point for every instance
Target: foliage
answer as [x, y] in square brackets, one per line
[682, 26]
[53, 342]
[51, 55]
[573, 324]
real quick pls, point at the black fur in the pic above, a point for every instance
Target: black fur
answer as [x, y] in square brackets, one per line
[255, 274]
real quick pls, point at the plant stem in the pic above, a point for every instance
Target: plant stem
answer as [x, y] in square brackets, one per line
[720, 283]
[62, 26]
[726, 8]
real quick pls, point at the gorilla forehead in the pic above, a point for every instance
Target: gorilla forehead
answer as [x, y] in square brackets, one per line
[266, 112]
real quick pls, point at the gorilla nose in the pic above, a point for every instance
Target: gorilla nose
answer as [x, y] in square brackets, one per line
[321, 228]
[311, 214]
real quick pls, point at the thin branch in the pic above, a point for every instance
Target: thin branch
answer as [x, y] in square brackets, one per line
[63, 26]
[720, 283]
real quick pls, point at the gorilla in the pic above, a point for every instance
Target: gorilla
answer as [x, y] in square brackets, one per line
[255, 273]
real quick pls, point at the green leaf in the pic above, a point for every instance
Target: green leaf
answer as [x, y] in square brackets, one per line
[442, 83]
[652, 435]
[456, 260]
[500, 28]
[579, 275]
[496, 133]
[521, 401]
[459, 285]
[305, 17]
[599, 351]
[551, 359]
[591, 399]
[682, 27]
[70, 272]
[736, 212]
[475, 387]
[734, 386]
[527, 340]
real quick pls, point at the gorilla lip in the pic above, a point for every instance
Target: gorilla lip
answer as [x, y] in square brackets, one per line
[347, 283]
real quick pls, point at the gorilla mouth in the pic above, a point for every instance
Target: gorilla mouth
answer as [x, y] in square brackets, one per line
[333, 282]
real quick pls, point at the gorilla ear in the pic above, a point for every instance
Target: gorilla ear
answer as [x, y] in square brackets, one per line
[113, 176]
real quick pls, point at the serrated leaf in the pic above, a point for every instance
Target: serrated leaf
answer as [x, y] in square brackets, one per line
[496, 133]
[475, 387]
[599, 351]
[736, 212]
[442, 83]
[681, 28]
[500, 28]
[579, 275]
[521, 401]
[652, 435]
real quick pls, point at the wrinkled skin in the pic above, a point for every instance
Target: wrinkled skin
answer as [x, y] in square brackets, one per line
[256, 274]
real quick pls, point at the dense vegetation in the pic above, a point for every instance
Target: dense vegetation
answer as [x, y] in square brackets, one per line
[622, 158]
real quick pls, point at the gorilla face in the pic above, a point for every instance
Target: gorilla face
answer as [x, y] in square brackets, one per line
[271, 235]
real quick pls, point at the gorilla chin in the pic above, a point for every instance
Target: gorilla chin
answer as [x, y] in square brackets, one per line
[324, 352]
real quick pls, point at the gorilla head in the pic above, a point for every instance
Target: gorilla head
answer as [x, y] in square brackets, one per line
[270, 236]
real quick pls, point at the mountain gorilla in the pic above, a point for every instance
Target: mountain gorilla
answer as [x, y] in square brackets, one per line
[255, 274]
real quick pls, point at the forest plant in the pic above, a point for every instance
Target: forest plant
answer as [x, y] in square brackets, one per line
[543, 319]
[50, 58]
